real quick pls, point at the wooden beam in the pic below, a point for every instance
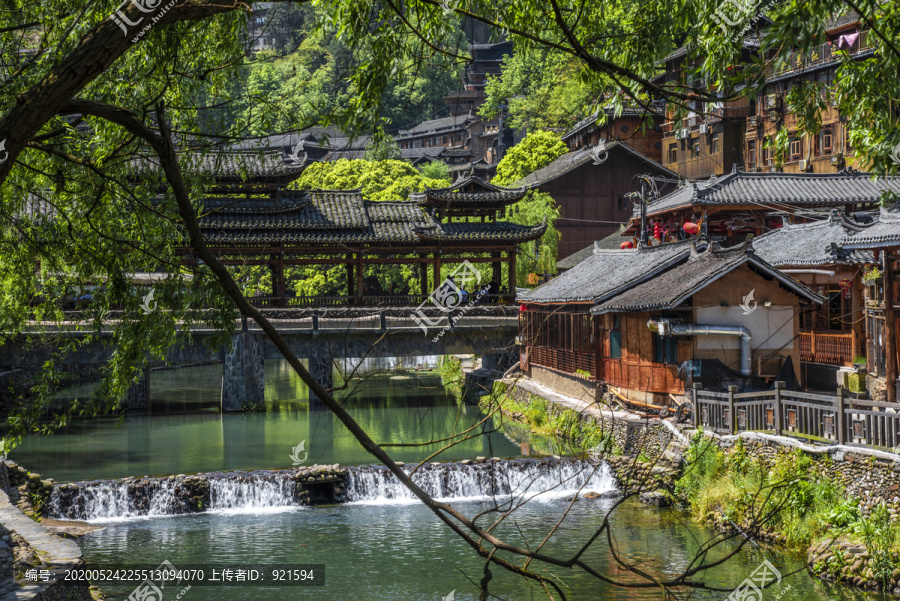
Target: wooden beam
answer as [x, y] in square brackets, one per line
[436, 269]
[359, 277]
[349, 262]
[890, 330]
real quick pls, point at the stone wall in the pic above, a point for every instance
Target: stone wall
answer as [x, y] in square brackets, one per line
[567, 384]
[631, 434]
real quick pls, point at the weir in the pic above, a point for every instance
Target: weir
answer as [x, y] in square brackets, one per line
[546, 479]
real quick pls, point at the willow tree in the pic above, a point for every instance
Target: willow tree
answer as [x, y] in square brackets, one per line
[91, 90]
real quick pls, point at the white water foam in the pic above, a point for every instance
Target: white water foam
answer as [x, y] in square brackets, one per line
[275, 492]
[536, 480]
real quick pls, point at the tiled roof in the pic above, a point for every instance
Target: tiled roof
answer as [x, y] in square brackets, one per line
[670, 289]
[657, 107]
[611, 242]
[326, 217]
[575, 159]
[811, 244]
[606, 273]
[885, 233]
[484, 232]
[483, 195]
[773, 189]
[266, 165]
[435, 125]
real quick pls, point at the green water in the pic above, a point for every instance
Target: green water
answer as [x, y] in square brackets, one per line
[378, 551]
[402, 552]
[184, 433]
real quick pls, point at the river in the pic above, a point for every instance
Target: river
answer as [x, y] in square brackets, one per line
[382, 545]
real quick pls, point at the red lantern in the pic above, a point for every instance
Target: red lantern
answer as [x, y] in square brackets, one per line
[691, 228]
[523, 308]
[626, 245]
[846, 287]
[657, 231]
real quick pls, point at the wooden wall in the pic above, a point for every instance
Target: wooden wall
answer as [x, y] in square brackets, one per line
[589, 199]
[730, 291]
[636, 370]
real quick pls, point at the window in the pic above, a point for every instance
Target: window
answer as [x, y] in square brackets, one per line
[767, 152]
[796, 148]
[673, 153]
[751, 154]
[615, 339]
[665, 348]
[695, 147]
[714, 144]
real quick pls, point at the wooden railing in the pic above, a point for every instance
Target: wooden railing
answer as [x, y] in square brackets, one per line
[816, 417]
[835, 349]
[403, 300]
[817, 54]
[563, 360]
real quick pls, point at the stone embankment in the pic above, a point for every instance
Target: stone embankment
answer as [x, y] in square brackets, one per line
[28, 545]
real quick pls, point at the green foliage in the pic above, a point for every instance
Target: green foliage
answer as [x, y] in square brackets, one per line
[780, 145]
[538, 256]
[807, 100]
[845, 513]
[880, 536]
[538, 149]
[378, 180]
[383, 148]
[435, 170]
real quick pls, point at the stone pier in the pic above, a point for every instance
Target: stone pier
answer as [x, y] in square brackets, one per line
[321, 369]
[138, 395]
[244, 380]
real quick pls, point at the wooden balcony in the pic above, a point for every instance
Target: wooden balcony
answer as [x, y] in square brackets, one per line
[832, 348]
[820, 53]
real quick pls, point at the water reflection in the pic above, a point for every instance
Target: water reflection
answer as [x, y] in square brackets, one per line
[184, 433]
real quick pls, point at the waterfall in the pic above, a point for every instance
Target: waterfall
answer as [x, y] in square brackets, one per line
[265, 491]
[523, 478]
[233, 495]
[114, 500]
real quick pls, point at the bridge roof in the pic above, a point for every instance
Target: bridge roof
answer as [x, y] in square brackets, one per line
[343, 217]
[470, 193]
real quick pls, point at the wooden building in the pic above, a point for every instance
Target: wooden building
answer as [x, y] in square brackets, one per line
[714, 136]
[631, 318]
[833, 334]
[631, 127]
[732, 207]
[339, 227]
[828, 150]
[709, 139]
[593, 197]
[882, 301]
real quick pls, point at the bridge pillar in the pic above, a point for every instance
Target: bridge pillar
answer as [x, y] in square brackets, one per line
[499, 360]
[244, 377]
[137, 397]
[322, 370]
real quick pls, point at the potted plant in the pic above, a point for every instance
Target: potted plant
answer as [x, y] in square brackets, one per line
[871, 274]
[860, 363]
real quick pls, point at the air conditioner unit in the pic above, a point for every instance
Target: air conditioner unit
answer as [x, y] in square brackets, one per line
[837, 159]
[804, 164]
[773, 101]
[704, 128]
[685, 133]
